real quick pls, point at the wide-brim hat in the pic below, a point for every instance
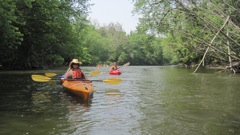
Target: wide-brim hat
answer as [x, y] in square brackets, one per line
[75, 61]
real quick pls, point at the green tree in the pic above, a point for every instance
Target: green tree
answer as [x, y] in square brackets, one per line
[10, 37]
[45, 31]
[193, 23]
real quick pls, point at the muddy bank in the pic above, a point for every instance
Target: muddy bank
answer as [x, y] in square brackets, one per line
[234, 67]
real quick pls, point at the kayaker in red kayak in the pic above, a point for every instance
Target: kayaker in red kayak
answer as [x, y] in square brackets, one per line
[114, 70]
[114, 67]
[74, 71]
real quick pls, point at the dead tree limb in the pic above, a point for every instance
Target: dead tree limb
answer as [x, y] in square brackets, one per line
[211, 43]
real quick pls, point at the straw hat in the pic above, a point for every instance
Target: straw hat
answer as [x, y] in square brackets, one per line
[75, 61]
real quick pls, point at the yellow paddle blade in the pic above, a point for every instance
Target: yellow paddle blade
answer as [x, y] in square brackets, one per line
[40, 78]
[113, 81]
[94, 73]
[50, 74]
[127, 64]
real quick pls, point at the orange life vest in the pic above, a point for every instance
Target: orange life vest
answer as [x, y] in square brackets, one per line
[77, 73]
[114, 68]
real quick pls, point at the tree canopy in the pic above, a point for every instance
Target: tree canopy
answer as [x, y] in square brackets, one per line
[190, 25]
[37, 33]
[45, 33]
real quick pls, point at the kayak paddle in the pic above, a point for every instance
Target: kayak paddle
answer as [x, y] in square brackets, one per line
[126, 64]
[94, 73]
[113, 81]
[50, 74]
[42, 78]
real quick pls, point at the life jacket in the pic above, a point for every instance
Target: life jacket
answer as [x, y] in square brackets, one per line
[114, 68]
[77, 73]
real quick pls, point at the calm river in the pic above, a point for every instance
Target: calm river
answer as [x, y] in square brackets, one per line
[151, 100]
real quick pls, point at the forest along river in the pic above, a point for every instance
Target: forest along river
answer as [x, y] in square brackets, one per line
[150, 100]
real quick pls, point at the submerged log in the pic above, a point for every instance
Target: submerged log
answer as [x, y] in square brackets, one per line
[235, 68]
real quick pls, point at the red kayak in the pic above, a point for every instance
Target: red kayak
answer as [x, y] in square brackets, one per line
[115, 72]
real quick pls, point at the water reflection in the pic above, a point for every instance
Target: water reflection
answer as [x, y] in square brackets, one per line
[40, 101]
[150, 100]
[196, 107]
[113, 92]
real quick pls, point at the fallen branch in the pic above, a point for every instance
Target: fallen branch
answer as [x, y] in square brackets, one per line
[211, 43]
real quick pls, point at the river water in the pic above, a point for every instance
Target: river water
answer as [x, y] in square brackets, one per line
[151, 100]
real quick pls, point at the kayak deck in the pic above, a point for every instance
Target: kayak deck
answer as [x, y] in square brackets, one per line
[82, 89]
[115, 72]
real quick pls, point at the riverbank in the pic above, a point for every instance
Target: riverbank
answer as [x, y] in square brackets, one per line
[235, 68]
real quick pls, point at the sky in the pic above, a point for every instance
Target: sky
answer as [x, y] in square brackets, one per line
[107, 11]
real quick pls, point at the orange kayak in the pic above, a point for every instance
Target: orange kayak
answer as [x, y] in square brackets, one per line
[80, 88]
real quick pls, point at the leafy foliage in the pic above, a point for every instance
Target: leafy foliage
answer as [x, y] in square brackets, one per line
[37, 33]
[53, 32]
[190, 25]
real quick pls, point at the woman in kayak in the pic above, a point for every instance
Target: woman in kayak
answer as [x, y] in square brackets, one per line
[74, 71]
[114, 67]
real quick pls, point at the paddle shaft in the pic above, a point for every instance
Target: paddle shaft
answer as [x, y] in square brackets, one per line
[107, 81]
[87, 80]
[41, 78]
[126, 64]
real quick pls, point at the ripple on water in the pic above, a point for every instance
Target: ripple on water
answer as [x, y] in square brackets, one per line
[150, 100]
